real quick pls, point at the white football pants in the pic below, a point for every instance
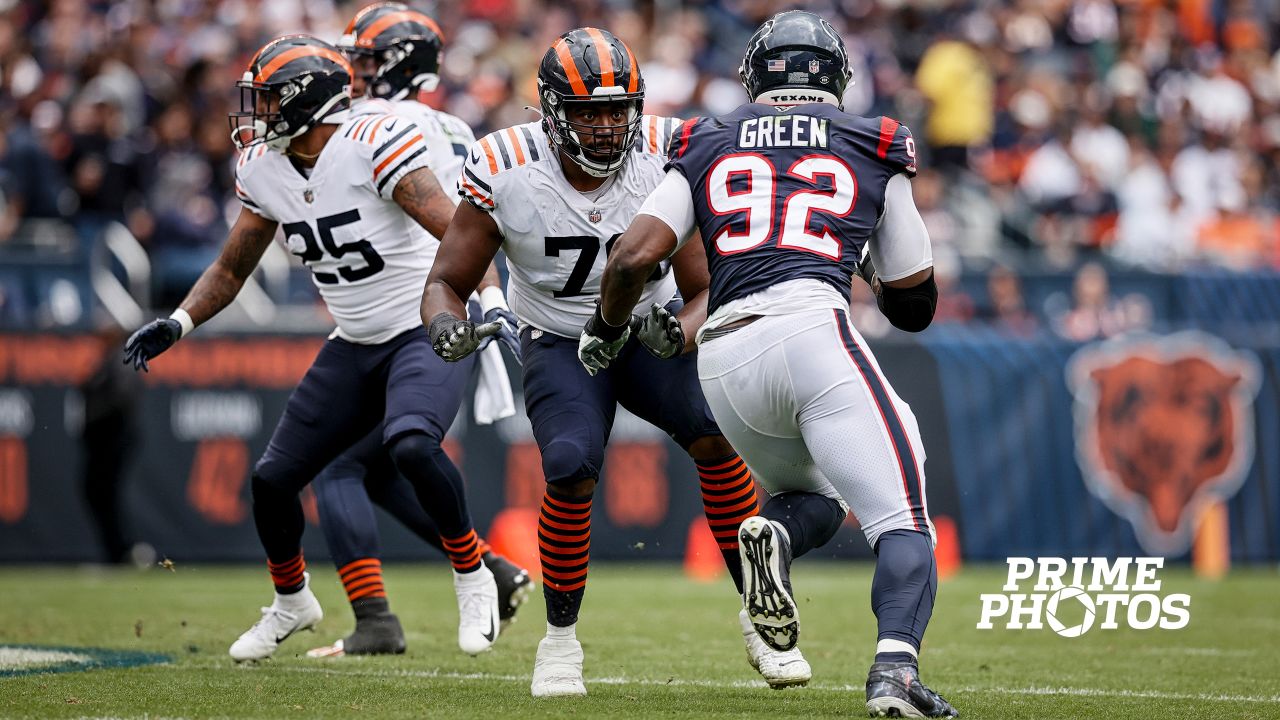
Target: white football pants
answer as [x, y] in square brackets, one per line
[803, 401]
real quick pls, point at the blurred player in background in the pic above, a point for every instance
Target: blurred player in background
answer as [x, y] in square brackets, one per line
[395, 53]
[554, 195]
[786, 192]
[358, 203]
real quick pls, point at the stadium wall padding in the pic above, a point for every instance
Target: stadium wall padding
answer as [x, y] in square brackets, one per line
[998, 416]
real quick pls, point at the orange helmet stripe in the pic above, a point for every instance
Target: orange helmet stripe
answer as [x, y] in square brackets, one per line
[570, 70]
[602, 52]
[299, 52]
[367, 37]
[634, 83]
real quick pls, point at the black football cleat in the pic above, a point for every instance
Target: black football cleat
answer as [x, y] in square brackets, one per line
[375, 635]
[766, 583]
[514, 585]
[895, 690]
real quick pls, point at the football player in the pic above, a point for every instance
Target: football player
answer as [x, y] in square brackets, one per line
[358, 203]
[394, 53]
[786, 192]
[554, 195]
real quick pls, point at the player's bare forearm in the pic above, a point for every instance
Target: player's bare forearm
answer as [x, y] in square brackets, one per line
[221, 281]
[491, 277]
[647, 242]
[694, 280]
[419, 194]
[463, 262]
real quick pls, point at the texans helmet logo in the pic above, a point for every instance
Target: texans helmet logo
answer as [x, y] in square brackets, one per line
[1164, 429]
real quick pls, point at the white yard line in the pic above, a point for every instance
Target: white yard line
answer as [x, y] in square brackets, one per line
[744, 684]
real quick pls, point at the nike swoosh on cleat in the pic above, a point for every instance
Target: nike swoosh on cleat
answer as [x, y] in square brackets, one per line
[490, 635]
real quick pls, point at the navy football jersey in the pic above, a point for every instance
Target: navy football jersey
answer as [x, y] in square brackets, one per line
[787, 193]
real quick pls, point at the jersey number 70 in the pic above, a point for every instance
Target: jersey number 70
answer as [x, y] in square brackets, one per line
[755, 200]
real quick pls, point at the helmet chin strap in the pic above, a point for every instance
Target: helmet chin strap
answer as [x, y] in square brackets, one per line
[798, 96]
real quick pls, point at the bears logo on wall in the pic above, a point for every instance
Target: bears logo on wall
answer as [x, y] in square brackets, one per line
[1164, 427]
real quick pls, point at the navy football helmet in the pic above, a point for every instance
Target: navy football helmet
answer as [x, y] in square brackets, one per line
[795, 57]
[405, 45]
[292, 84]
[588, 65]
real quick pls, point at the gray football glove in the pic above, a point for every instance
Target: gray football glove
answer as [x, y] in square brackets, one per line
[453, 338]
[600, 343]
[659, 331]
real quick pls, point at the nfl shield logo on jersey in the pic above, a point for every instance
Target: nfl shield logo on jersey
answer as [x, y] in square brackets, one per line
[594, 216]
[308, 195]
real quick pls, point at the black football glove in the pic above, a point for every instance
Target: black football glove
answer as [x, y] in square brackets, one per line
[867, 271]
[508, 331]
[659, 331]
[150, 340]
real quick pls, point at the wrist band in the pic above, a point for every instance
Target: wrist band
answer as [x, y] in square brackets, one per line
[184, 319]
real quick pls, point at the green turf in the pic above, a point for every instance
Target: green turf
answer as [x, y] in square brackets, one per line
[656, 646]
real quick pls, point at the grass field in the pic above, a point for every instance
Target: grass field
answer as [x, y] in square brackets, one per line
[656, 646]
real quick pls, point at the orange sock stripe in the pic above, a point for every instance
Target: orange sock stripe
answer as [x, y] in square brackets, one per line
[565, 588]
[701, 467]
[723, 476]
[375, 592]
[562, 550]
[355, 588]
[557, 562]
[358, 564]
[583, 538]
[287, 565]
[727, 545]
[460, 541]
[726, 486]
[566, 506]
[564, 576]
[354, 578]
[731, 496]
[482, 546]
[571, 527]
[751, 501]
[465, 550]
[548, 510]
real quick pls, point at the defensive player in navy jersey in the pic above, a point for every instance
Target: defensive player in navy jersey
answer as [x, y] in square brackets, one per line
[787, 192]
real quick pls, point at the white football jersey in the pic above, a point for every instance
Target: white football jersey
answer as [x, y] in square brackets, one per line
[557, 239]
[447, 136]
[367, 257]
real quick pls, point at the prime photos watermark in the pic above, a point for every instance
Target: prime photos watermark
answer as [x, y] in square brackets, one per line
[1085, 592]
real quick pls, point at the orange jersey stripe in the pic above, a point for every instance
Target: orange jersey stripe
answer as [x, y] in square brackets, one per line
[570, 70]
[653, 133]
[376, 128]
[605, 57]
[476, 194]
[488, 153]
[299, 52]
[393, 155]
[515, 145]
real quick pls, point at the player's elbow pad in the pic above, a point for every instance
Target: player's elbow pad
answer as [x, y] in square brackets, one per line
[912, 308]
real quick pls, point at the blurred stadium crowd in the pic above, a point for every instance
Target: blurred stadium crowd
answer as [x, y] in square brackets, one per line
[1078, 135]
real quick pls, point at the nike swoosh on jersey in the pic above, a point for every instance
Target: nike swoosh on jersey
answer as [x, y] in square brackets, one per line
[475, 157]
[389, 126]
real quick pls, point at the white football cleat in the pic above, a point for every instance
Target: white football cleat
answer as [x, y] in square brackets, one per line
[779, 669]
[478, 623]
[558, 670]
[287, 615]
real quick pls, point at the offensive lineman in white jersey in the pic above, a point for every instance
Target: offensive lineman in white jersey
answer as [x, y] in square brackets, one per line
[554, 195]
[394, 52]
[358, 204]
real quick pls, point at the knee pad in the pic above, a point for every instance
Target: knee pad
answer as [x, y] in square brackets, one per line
[413, 448]
[565, 461]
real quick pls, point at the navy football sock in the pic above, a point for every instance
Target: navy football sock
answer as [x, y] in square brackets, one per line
[277, 514]
[902, 592]
[810, 519]
[346, 513]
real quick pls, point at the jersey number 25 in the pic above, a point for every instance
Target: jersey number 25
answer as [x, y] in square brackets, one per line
[311, 252]
[754, 198]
